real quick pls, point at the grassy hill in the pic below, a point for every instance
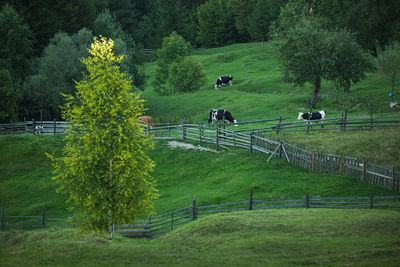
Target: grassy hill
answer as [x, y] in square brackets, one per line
[258, 90]
[181, 175]
[315, 237]
[285, 237]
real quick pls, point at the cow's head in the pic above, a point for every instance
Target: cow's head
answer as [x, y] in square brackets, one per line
[300, 116]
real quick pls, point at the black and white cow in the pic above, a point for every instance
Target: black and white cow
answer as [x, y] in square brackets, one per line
[221, 115]
[224, 80]
[311, 116]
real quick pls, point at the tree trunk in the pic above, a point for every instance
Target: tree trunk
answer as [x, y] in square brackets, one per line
[317, 85]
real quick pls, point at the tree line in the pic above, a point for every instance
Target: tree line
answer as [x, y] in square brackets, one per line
[41, 42]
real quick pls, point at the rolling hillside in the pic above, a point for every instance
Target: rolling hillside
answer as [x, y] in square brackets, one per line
[317, 237]
[181, 175]
[258, 90]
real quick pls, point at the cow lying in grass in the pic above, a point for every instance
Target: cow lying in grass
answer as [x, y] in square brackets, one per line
[312, 116]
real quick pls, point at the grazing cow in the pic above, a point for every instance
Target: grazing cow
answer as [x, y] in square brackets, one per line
[223, 81]
[220, 115]
[311, 116]
[394, 105]
[146, 120]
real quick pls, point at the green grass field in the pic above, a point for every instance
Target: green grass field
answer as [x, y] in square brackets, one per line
[281, 237]
[284, 237]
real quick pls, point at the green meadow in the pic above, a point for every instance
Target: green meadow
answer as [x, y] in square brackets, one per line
[281, 237]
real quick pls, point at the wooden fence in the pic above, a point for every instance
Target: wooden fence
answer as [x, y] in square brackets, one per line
[30, 222]
[157, 225]
[268, 126]
[259, 140]
[263, 142]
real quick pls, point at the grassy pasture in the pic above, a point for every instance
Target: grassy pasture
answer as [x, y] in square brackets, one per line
[258, 90]
[285, 237]
[213, 178]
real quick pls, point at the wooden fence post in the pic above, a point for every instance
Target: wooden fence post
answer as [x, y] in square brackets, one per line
[33, 126]
[393, 181]
[341, 163]
[279, 125]
[200, 131]
[194, 210]
[148, 127]
[55, 126]
[217, 135]
[364, 169]
[169, 130]
[184, 129]
[307, 200]
[12, 126]
[43, 217]
[234, 137]
[371, 201]
[3, 223]
[172, 220]
[251, 200]
[372, 121]
[345, 119]
[251, 142]
[313, 161]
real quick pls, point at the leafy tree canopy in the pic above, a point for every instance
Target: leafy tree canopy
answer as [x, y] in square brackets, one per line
[186, 75]
[56, 73]
[312, 53]
[104, 168]
[174, 49]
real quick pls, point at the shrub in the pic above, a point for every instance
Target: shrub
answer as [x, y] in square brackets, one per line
[186, 75]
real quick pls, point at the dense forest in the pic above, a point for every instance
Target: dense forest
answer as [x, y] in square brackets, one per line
[42, 42]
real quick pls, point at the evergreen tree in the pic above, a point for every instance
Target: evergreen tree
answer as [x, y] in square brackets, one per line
[8, 98]
[216, 25]
[16, 48]
[171, 16]
[47, 17]
[264, 13]
[105, 169]
[242, 10]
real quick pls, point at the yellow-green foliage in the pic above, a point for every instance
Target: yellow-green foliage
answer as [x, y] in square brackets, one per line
[104, 168]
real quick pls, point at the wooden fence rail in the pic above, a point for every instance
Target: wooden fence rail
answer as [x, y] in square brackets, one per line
[30, 222]
[160, 224]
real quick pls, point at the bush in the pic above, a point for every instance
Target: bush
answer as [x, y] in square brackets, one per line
[186, 75]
